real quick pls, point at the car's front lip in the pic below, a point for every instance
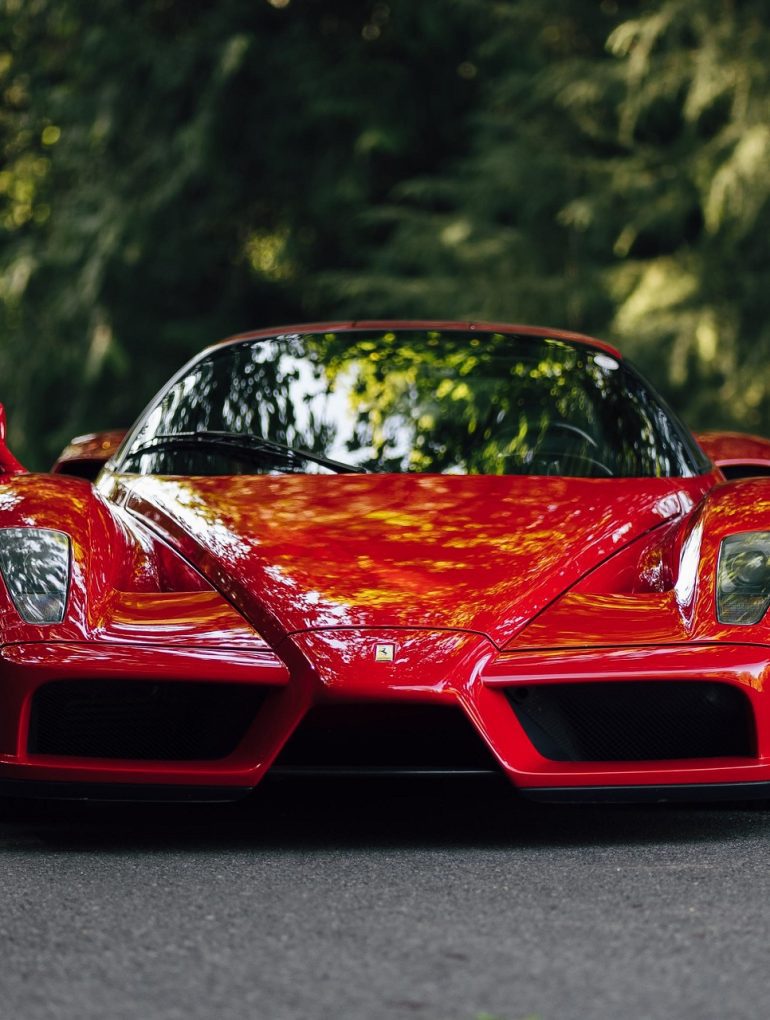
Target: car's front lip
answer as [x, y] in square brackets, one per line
[477, 680]
[142, 792]
[650, 793]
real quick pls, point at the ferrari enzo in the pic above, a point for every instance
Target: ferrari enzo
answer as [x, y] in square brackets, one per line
[390, 548]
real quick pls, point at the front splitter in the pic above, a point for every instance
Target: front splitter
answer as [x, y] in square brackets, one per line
[679, 793]
[121, 792]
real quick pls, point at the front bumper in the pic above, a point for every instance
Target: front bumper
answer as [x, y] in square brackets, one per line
[337, 667]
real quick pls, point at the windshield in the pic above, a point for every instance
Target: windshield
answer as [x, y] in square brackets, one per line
[410, 401]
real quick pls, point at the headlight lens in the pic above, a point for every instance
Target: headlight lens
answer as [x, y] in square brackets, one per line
[743, 578]
[35, 564]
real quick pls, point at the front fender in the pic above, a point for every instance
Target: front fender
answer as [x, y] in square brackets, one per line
[99, 548]
[730, 509]
[124, 583]
[661, 589]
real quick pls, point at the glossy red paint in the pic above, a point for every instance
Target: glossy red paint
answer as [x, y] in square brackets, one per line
[472, 585]
[84, 456]
[8, 463]
[477, 553]
[27, 667]
[735, 449]
[744, 666]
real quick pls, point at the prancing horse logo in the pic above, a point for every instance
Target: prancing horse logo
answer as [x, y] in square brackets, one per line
[384, 653]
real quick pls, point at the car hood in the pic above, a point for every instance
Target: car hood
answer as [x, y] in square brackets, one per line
[476, 553]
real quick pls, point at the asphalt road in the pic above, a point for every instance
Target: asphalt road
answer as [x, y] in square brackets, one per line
[379, 901]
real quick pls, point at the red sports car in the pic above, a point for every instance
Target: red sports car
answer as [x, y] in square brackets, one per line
[400, 548]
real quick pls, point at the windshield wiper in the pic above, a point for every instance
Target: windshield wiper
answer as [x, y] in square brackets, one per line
[243, 441]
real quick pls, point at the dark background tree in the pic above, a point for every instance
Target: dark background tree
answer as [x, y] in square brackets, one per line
[175, 170]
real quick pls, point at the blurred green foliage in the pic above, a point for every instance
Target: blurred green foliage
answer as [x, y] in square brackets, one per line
[172, 171]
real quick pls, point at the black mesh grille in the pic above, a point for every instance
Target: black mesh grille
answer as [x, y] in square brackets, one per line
[635, 721]
[381, 736]
[141, 720]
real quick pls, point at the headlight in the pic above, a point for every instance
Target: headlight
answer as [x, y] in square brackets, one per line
[743, 578]
[35, 564]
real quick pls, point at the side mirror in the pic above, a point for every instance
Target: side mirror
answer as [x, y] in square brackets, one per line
[85, 456]
[8, 463]
[737, 454]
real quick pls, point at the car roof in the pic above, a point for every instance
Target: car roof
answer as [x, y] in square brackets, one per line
[407, 324]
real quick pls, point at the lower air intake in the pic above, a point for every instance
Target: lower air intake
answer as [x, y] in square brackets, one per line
[636, 721]
[386, 739]
[140, 720]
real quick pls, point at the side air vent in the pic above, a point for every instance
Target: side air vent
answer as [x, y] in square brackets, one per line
[635, 721]
[735, 471]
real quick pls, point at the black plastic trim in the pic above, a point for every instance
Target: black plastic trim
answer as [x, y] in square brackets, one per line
[652, 794]
[139, 792]
[374, 772]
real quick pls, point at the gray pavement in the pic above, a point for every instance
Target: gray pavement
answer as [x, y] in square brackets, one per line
[375, 900]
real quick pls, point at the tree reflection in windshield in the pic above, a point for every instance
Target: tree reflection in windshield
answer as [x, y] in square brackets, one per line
[420, 401]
